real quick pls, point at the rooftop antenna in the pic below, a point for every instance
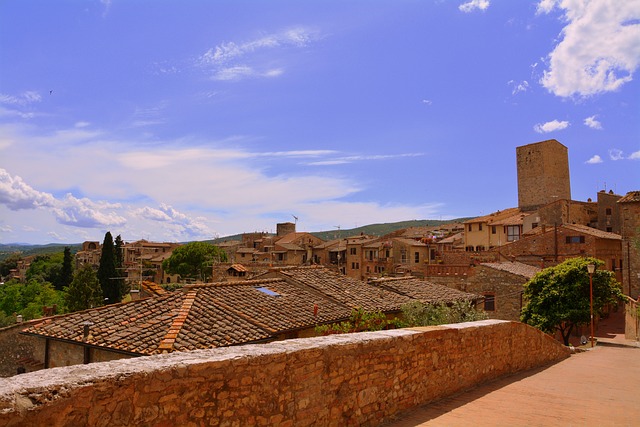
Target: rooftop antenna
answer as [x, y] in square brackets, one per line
[295, 219]
[338, 232]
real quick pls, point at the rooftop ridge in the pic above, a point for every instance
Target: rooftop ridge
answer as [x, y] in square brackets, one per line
[166, 345]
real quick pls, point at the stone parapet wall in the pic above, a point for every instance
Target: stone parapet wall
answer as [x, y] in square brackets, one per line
[352, 379]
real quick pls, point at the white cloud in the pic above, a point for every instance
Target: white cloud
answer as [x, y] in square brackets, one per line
[594, 160]
[351, 159]
[233, 61]
[616, 154]
[23, 99]
[241, 72]
[472, 5]
[427, 101]
[182, 223]
[16, 194]
[592, 123]
[599, 48]
[551, 126]
[635, 155]
[546, 6]
[523, 86]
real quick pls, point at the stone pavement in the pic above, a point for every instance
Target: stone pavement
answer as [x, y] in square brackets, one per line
[596, 387]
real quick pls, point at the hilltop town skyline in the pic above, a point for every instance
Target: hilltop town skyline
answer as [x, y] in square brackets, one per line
[180, 122]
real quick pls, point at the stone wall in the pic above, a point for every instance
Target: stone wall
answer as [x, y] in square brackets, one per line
[352, 379]
[19, 350]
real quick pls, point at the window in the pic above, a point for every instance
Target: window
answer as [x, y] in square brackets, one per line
[480, 227]
[513, 233]
[609, 229]
[353, 251]
[469, 227]
[387, 253]
[479, 248]
[416, 257]
[534, 225]
[608, 211]
[574, 239]
[267, 291]
[493, 229]
[613, 264]
[355, 265]
[489, 302]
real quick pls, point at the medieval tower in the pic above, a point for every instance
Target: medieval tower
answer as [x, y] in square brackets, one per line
[543, 174]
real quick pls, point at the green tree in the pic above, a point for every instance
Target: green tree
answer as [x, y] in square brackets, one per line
[194, 260]
[45, 268]
[359, 321]
[9, 263]
[84, 291]
[28, 299]
[416, 313]
[107, 273]
[66, 272]
[558, 298]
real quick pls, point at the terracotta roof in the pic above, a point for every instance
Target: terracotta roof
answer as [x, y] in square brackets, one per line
[517, 268]
[407, 241]
[154, 325]
[630, 197]
[426, 292]
[153, 288]
[452, 239]
[238, 267]
[495, 216]
[289, 246]
[246, 250]
[592, 231]
[350, 292]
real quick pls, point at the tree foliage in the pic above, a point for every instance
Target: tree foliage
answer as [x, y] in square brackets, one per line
[416, 313]
[359, 321]
[84, 291]
[107, 273]
[45, 268]
[194, 260]
[558, 298]
[28, 299]
[9, 263]
[66, 272]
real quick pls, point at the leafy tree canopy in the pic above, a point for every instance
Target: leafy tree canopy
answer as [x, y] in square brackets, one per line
[45, 268]
[9, 263]
[84, 291]
[194, 260]
[558, 298]
[28, 299]
[416, 313]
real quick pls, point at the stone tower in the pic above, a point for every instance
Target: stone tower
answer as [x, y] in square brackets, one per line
[543, 174]
[284, 228]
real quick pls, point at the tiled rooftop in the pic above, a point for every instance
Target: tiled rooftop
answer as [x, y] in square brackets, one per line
[516, 268]
[494, 217]
[631, 196]
[350, 292]
[426, 292]
[231, 313]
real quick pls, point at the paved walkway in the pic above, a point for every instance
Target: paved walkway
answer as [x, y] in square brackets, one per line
[599, 387]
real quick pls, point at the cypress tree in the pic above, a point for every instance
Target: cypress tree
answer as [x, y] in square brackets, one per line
[107, 273]
[66, 274]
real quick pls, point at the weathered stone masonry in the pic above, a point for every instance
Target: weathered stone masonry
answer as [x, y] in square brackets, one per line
[339, 380]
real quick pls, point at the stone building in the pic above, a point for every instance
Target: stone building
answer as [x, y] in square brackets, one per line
[629, 206]
[543, 174]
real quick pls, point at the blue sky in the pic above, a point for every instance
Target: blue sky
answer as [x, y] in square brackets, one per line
[188, 120]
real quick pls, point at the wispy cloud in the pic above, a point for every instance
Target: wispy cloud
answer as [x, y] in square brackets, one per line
[233, 61]
[551, 126]
[581, 64]
[593, 123]
[635, 155]
[472, 5]
[352, 159]
[616, 154]
[25, 98]
[516, 87]
[594, 160]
